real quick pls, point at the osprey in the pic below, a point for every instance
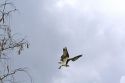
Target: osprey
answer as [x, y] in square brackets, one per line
[65, 58]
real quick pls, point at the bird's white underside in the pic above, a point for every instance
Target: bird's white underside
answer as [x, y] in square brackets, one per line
[64, 61]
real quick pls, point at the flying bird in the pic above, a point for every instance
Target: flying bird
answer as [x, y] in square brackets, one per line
[65, 58]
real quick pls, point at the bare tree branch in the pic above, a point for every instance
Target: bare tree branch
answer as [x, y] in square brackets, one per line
[8, 42]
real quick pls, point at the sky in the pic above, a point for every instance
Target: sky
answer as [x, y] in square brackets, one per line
[94, 28]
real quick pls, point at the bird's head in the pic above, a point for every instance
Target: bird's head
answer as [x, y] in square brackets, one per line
[65, 48]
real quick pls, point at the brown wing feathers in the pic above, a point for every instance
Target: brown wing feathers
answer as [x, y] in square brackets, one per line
[76, 57]
[73, 59]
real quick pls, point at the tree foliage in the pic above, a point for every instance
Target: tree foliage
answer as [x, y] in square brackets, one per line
[8, 44]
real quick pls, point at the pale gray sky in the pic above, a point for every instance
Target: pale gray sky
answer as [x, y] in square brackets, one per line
[95, 28]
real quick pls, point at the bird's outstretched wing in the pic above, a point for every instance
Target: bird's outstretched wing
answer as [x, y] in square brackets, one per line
[65, 54]
[75, 58]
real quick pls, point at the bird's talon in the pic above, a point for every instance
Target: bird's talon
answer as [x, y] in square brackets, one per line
[67, 65]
